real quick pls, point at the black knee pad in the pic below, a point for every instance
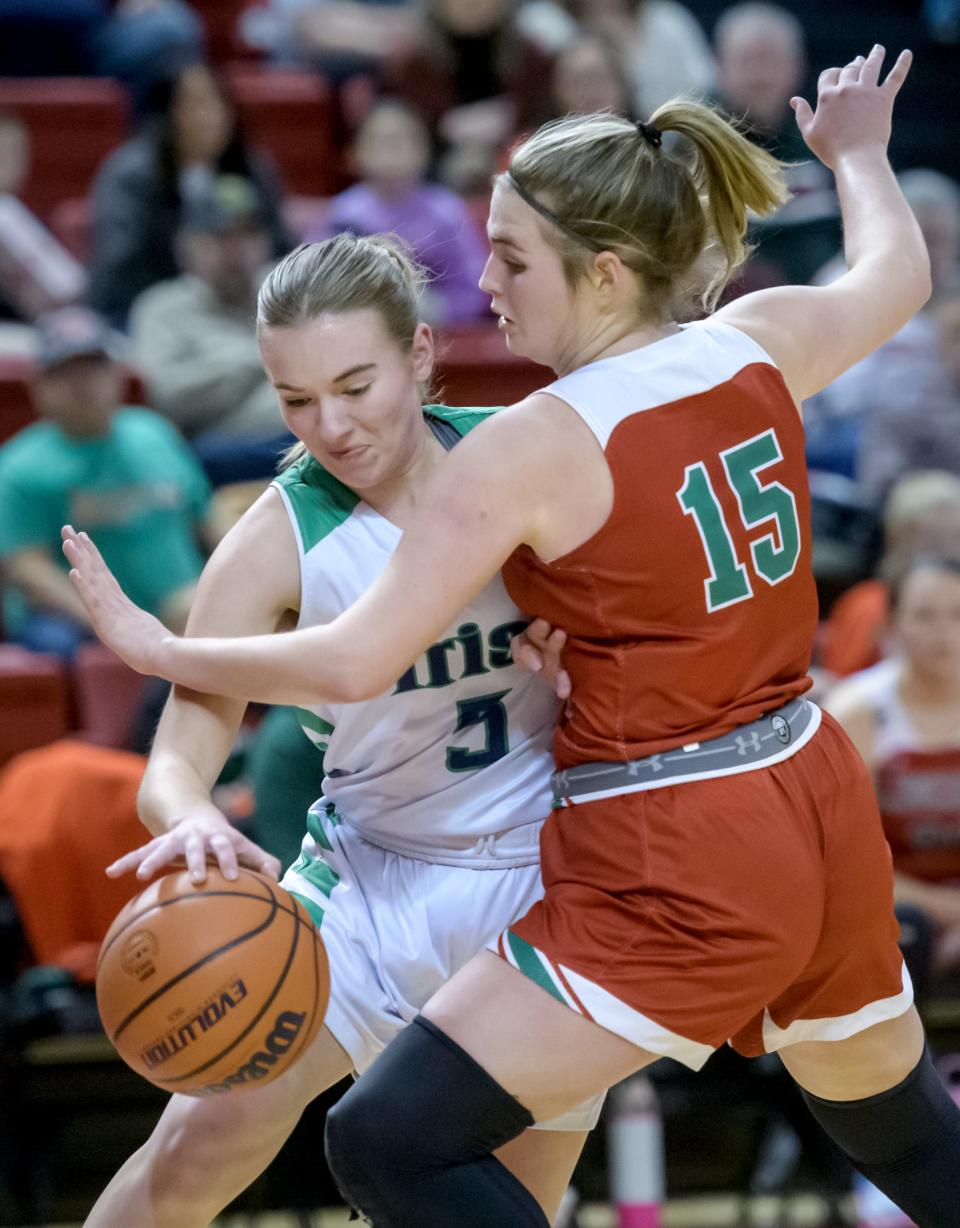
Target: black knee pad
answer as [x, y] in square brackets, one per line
[409, 1143]
[906, 1140]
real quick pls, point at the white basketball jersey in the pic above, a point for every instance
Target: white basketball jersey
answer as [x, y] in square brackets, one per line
[452, 764]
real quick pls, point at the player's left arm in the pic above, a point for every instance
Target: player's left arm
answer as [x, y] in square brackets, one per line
[486, 498]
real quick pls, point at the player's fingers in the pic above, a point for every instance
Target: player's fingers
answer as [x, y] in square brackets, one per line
[222, 847]
[270, 866]
[562, 685]
[528, 657]
[128, 862]
[898, 74]
[557, 639]
[539, 631]
[803, 112]
[194, 849]
[870, 72]
[850, 73]
[160, 854]
[829, 77]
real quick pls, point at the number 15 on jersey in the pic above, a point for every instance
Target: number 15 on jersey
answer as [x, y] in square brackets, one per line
[774, 555]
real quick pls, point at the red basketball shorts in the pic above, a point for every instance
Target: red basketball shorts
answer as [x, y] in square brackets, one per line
[754, 909]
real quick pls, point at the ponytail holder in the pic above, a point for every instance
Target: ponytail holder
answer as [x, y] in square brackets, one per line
[653, 136]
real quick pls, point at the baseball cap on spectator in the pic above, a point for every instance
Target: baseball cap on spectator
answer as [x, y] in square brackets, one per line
[73, 332]
[230, 202]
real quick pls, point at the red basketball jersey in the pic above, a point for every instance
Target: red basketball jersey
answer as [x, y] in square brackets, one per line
[692, 610]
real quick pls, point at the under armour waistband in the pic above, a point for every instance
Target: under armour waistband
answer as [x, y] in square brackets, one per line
[769, 739]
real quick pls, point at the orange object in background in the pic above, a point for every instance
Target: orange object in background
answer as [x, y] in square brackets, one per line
[66, 811]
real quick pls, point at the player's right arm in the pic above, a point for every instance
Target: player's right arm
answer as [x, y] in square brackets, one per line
[814, 333]
[250, 586]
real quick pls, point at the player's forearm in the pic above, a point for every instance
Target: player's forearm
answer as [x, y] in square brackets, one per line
[880, 227]
[191, 746]
[292, 667]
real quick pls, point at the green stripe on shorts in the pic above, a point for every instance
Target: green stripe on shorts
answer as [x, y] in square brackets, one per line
[314, 909]
[528, 962]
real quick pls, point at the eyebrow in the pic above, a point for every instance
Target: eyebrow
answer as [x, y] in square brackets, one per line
[363, 366]
[502, 241]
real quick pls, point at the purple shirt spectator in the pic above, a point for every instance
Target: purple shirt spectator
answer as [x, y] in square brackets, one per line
[391, 151]
[438, 226]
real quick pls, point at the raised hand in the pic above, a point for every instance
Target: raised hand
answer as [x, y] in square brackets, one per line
[133, 634]
[854, 108]
[202, 834]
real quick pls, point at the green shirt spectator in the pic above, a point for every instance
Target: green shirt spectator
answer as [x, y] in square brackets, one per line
[124, 474]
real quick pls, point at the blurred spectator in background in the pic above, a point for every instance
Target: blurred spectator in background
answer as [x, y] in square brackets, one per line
[912, 370]
[343, 38]
[122, 473]
[391, 154]
[193, 336]
[904, 717]
[190, 137]
[36, 272]
[143, 41]
[663, 48]
[921, 517]
[134, 40]
[761, 65]
[588, 76]
[477, 80]
[919, 427]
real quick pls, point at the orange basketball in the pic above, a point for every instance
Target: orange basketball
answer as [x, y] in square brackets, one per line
[208, 987]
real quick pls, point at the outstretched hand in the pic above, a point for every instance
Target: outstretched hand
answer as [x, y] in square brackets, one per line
[133, 634]
[854, 108]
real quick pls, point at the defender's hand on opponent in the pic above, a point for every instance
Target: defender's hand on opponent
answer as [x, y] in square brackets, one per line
[538, 649]
[133, 634]
[854, 108]
[202, 834]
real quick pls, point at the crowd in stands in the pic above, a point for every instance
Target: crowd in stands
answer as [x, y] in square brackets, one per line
[235, 129]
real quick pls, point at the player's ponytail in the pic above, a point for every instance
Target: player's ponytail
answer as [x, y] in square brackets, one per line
[674, 210]
[733, 178]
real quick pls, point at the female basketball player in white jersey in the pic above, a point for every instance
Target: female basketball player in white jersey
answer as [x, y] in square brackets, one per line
[422, 846]
[903, 715]
[716, 870]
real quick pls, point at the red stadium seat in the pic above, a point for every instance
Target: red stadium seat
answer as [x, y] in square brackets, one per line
[107, 694]
[34, 700]
[74, 122]
[16, 403]
[474, 367]
[291, 115]
[221, 20]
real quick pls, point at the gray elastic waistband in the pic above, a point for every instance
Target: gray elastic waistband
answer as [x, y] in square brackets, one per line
[768, 740]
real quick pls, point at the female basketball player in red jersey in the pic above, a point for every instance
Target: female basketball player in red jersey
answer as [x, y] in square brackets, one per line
[715, 870]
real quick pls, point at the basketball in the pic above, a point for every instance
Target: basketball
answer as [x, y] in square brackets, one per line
[205, 988]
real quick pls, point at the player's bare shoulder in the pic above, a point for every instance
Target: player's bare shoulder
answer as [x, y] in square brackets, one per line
[253, 576]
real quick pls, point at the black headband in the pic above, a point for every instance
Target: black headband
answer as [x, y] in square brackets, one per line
[552, 218]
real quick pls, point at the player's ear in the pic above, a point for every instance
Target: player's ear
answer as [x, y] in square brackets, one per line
[422, 353]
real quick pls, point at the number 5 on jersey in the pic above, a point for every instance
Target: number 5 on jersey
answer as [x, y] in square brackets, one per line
[729, 579]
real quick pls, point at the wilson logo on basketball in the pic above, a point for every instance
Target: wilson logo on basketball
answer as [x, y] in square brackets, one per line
[206, 1018]
[286, 1028]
